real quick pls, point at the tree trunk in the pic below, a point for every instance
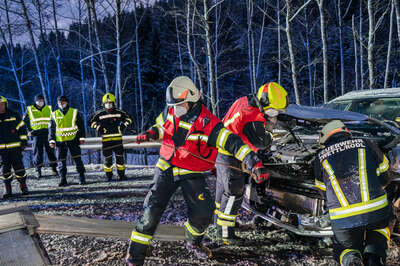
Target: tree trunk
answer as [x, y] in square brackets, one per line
[210, 58]
[397, 6]
[371, 45]
[341, 46]
[58, 56]
[34, 48]
[118, 66]
[92, 8]
[260, 44]
[291, 52]
[310, 85]
[324, 47]
[83, 89]
[138, 67]
[355, 53]
[361, 49]
[92, 67]
[278, 14]
[389, 49]
[250, 44]
[179, 42]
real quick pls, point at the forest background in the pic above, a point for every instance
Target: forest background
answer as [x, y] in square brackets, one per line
[316, 49]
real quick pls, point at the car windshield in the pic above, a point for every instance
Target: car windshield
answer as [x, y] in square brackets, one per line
[378, 108]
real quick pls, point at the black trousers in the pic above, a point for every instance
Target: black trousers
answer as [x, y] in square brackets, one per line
[197, 197]
[360, 241]
[41, 144]
[228, 194]
[116, 147]
[75, 151]
[12, 159]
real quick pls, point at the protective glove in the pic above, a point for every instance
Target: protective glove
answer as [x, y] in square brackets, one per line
[146, 136]
[260, 173]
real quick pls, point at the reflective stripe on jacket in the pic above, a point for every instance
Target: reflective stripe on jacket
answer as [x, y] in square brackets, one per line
[39, 119]
[350, 173]
[66, 127]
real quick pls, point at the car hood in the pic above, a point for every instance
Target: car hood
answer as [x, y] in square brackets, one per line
[322, 113]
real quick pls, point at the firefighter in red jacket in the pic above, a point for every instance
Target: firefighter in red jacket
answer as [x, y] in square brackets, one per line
[191, 135]
[352, 174]
[13, 140]
[251, 117]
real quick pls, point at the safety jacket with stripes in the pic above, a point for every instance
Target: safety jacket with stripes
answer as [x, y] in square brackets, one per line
[352, 173]
[37, 120]
[247, 121]
[12, 131]
[66, 125]
[110, 124]
[190, 142]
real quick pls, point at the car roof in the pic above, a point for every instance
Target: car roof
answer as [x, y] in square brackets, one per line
[366, 94]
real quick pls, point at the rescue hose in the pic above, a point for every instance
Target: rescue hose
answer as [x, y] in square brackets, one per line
[133, 141]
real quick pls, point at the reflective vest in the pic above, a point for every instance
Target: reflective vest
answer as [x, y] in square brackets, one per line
[39, 119]
[239, 115]
[350, 176]
[66, 128]
[194, 154]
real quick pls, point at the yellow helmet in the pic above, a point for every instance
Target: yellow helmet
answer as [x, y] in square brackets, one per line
[108, 97]
[330, 129]
[3, 100]
[272, 95]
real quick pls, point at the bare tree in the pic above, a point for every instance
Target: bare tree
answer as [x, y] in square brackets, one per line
[325, 59]
[389, 49]
[278, 15]
[356, 69]
[9, 46]
[371, 44]
[83, 87]
[34, 47]
[92, 8]
[58, 56]
[361, 48]
[397, 6]
[340, 20]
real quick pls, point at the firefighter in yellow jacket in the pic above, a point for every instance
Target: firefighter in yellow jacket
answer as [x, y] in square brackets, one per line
[110, 123]
[13, 139]
[191, 135]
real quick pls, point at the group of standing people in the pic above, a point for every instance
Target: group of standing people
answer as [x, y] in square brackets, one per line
[61, 130]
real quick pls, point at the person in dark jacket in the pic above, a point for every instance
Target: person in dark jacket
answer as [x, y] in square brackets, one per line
[352, 174]
[111, 123]
[37, 119]
[191, 135]
[252, 118]
[13, 140]
[67, 132]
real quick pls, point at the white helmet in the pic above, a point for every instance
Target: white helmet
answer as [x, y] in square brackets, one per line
[181, 90]
[333, 127]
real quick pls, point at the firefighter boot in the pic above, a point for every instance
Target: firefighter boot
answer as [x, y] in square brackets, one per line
[39, 173]
[201, 251]
[121, 174]
[108, 176]
[63, 181]
[226, 236]
[23, 186]
[7, 185]
[82, 179]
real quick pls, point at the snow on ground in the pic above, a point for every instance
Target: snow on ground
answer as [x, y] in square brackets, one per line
[123, 201]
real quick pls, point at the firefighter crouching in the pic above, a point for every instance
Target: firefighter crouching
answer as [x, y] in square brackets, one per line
[111, 123]
[352, 173]
[37, 119]
[251, 117]
[191, 135]
[13, 140]
[67, 131]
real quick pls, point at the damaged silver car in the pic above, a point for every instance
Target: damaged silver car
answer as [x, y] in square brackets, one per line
[289, 199]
